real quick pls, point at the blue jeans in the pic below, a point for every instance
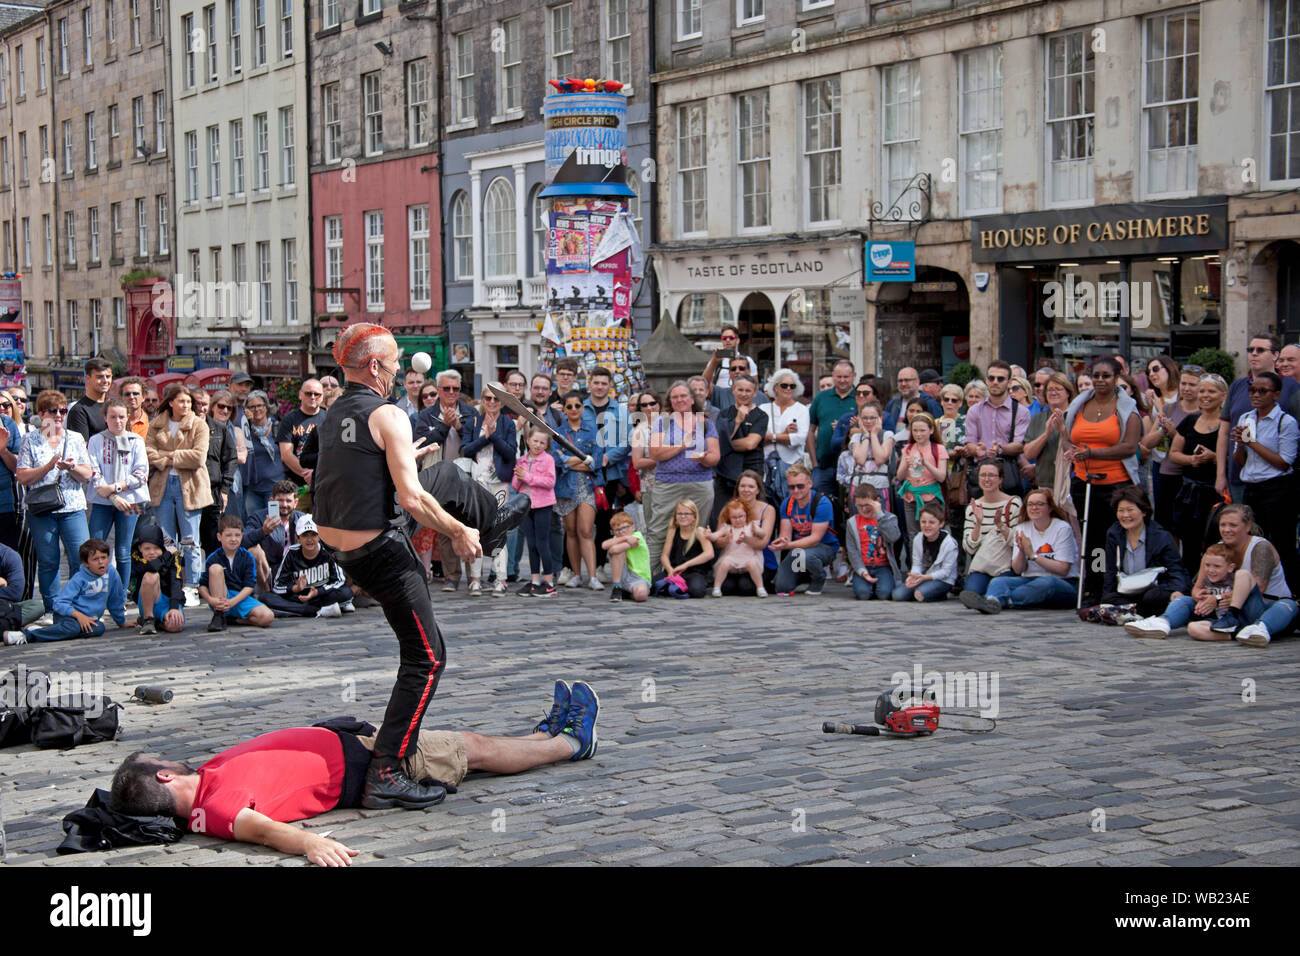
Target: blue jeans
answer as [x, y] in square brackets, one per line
[815, 561]
[47, 531]
[882, 590]
[255, 501]
[1275, 615]
[537, 529]
[1044, 590]
[823, 480]
[978, 581]
[1180, 612]
[182, 526]
[106, 518]
[63, 628]
[930, 590]
[514, 543]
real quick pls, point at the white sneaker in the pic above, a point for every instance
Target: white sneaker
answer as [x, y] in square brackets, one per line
[572, 581]
[1254, 635]
[762, 592]
[565, 577]
[595, 585]
[192, 597]
[717, 592]
[1156, 627]
[602, 573]
[499, 589]
[330, 610]
[45, 620]
[15, 637]
[347, 607]
[475, 589]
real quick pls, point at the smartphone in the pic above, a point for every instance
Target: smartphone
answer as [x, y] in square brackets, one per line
[273, 508]
[726, 353]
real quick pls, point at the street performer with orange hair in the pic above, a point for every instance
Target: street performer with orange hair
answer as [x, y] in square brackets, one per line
[365, 469]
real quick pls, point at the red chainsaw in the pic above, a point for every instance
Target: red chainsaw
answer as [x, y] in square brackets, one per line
[911, 717]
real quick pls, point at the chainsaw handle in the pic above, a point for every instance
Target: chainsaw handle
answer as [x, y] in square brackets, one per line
[862, 730]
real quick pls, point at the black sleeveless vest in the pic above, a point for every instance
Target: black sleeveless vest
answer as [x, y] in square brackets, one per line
[353, 488]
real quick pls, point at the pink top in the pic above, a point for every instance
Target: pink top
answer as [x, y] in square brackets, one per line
[538, 482]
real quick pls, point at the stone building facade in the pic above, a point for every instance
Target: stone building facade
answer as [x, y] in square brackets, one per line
[376, 212]
[243, 222]
[498, 56]
[816, 131]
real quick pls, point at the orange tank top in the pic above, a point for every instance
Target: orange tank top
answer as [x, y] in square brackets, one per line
[1102, 434]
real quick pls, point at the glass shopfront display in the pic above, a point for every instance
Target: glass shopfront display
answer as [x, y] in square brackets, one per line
[1172, 304]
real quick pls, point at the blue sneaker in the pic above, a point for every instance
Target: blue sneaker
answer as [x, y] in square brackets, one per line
[584, 707]
[553, 722]
[1228, 622]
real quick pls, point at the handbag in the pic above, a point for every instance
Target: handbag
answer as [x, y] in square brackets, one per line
[955, 489]
[1138, 581]
[47, 499]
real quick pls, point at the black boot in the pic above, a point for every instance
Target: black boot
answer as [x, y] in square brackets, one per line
[387, 785]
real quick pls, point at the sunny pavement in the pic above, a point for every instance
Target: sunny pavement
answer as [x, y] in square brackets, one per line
[711, 750]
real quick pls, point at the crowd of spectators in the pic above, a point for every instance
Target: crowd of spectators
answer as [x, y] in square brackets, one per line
[1157, 498]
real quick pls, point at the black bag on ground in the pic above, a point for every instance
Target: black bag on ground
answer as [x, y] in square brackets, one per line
[77, 719]
[22, 694]
[98, 827]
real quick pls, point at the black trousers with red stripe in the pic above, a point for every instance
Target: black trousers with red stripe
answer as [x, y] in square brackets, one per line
[391, 575]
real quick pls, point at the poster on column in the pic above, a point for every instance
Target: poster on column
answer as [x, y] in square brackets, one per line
[568, 244]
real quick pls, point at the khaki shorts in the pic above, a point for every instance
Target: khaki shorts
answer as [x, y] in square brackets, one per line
[439, 754]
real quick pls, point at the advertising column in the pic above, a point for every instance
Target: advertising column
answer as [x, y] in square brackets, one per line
[593, 256]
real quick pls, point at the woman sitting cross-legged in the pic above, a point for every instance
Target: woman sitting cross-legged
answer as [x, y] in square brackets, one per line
[934, 559]
[1135, 544]
[688, 552]
[869, 538]
[1045, 562]
[1257, 609]
[1212, 594]
[987, 534]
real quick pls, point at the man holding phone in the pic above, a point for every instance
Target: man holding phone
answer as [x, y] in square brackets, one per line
[267, 533]
[723, 356]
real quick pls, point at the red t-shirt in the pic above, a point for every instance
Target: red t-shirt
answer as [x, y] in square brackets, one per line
[286, 775]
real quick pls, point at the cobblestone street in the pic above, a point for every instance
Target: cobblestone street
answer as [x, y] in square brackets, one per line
[1108, 750]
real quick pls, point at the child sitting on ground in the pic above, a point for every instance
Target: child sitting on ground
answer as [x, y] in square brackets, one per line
[869, 538]
[231, 580]
[81, 602]
[308, 583]
[934, 559]
[155, 570]
[688, 552]
[1211, 595]
[629, 559]
[736, 534]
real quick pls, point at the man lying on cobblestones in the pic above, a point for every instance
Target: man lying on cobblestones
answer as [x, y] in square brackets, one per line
[254, 791]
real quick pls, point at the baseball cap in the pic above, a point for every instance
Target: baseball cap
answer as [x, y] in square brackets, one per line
[305, 526]
[240, 377]
[930, 377]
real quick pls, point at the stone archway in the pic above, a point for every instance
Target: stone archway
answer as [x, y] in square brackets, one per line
[927, 328]
[1275, 290]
